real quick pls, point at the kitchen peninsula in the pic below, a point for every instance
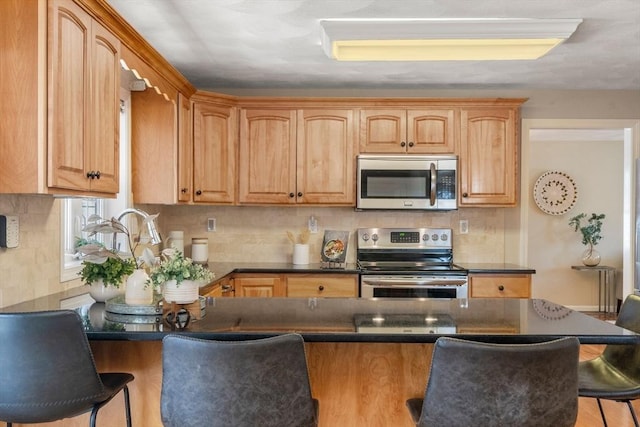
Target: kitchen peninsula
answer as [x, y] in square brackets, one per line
[366, 356]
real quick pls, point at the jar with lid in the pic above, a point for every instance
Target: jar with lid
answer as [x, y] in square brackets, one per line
[200, 250]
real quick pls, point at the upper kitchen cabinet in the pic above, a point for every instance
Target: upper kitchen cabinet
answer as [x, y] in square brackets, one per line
[61, 77]
[214, 149]
[84, 85]
[412, 131]
[489, 141]
[297, 156]
[185, 149]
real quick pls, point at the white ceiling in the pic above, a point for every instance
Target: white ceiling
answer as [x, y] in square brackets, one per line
[271, 44]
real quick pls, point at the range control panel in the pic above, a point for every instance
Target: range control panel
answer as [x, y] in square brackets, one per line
[404, 238]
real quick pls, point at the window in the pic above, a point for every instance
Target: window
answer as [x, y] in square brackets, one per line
[75, 211]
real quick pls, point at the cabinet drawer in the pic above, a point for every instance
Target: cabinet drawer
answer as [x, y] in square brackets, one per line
[500, 286]
[323, 285]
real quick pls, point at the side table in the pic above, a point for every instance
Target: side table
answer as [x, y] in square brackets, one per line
[606, 277]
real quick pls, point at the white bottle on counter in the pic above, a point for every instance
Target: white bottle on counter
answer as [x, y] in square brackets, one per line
[200, 250]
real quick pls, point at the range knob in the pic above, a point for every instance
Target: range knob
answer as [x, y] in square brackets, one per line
[434, 237]
[374, 237]
[425, 237]
[365, 237]
[444, 237]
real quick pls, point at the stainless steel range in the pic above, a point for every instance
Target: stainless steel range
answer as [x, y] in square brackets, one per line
[409, 263]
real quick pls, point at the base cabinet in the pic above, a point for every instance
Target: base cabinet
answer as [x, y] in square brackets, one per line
[500, 285]
[322, 285]
[263, 286]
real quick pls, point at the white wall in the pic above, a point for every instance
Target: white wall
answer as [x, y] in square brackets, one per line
[596, 167]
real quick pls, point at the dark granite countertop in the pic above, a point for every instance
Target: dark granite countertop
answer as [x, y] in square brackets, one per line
[496, 268]
[345, 320]
[223, 269]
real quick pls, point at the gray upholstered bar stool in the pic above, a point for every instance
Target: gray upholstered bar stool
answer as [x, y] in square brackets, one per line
[481, 385]
[48, 372]
[262, 382]
[615, 374]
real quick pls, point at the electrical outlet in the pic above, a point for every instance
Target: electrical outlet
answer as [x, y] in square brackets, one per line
[313, 224]
[464, 226]
[211, 224]
[9, 231]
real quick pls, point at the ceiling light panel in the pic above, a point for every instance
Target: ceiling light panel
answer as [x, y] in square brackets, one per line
[443, 39]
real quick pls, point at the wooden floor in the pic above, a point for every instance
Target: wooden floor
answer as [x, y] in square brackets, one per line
[618, 414]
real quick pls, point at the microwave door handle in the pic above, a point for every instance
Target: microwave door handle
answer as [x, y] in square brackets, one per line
[434, 178]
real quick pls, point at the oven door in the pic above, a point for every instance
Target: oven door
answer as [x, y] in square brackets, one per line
[389, 286]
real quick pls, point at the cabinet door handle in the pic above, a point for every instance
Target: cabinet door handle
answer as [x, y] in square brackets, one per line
[411, 144]
[402, 144]
[183, 190]
[292, 195]
[97, 174]
[321, 288]
[199, 192]
[299, 193]
[465, 195]
[90, 174]
[500, 288]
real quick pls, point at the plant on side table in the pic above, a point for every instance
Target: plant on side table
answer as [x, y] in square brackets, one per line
[591, 235]
[106, 270]
[178, 278]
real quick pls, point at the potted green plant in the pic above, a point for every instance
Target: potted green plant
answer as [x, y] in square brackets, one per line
[591, 235]
[178, 277]
[106, 270]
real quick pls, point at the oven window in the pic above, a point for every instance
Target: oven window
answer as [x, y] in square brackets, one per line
[416, 292]
[395, 184]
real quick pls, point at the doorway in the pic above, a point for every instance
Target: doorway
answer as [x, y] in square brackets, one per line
[588, 150]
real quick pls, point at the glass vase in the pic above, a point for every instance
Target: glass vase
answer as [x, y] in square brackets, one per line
[591, 257]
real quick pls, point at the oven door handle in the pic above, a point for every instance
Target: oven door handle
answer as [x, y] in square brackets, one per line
[434, 179]
[413, 284]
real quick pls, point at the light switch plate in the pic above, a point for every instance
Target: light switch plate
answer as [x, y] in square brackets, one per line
[9, 231]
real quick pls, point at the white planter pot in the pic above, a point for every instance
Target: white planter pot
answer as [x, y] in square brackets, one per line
[184, 293]
[101, 293]
[137, 291]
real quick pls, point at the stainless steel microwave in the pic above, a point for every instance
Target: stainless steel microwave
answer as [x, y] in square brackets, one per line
[407, 182]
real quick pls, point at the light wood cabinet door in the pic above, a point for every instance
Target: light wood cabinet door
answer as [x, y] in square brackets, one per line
[214, 153]
[500, 286]
[267, 165]
[488, 157]
[264, 286]
[185, 150]
[407, 131]
[84, 82]
[322, 285]
[325, 157]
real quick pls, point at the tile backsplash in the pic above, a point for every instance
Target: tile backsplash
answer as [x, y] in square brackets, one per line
[259, 234]
[243, 234]
[32, 269]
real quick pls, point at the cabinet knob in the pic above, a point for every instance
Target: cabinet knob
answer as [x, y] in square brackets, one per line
[199, 192]
[183, 190]
[411, 144]
[402, 144]
[500, 288]
[292, 195]
[97, 175]
[90, 174]
[465, 195]
[299, 193]
[321, 288]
